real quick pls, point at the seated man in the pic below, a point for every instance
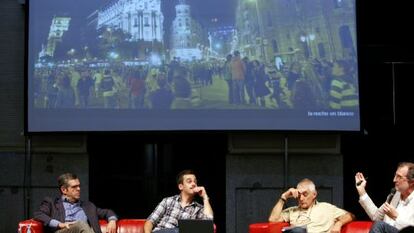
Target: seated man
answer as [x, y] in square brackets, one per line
[164, 219]
[310, 215]
[68, 214]
[397, 212]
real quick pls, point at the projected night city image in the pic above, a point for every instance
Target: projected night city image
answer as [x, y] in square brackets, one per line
[172, 54]
[225, 55]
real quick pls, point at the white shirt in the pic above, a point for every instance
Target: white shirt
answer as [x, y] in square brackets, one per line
[405, 210]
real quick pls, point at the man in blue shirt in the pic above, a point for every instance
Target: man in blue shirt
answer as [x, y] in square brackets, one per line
[68, 214]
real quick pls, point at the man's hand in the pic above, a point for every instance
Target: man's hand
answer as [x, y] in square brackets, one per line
[336, 228]
[275, 215]
[292, 192]
[111, 227]
[201, 191]
[65, 225]
[148, 227]
[360, 183]
[208, 211]
[390, 211]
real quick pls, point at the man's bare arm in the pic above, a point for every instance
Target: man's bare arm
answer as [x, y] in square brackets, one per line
[148, 227]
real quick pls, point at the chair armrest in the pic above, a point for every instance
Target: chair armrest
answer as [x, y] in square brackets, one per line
[33, 225]
[357, 227]
[267, 227]
[131, 225]
[103, 224]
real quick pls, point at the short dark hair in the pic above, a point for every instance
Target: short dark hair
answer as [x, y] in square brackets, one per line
[63, 180]
[180, 176]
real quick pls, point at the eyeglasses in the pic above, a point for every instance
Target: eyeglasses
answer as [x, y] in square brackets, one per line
[399, 177]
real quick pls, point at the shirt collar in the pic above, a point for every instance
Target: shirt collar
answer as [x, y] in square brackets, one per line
[66, 200]
[178, 199]
[408, 199]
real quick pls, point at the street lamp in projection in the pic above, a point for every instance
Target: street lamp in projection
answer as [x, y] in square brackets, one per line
[71, 54]
[261, 40]
[307, 39]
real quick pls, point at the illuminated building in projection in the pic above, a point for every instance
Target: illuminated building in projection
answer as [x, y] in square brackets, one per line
[309, 29]
[187, 35]
[142, 19]
[58, 27]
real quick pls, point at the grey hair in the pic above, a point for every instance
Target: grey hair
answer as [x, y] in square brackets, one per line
[410, 172]
[307, 183]
[63, 180]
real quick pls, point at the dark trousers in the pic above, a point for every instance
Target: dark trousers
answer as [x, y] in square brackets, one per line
[167, 230]
[296, 230]
[409, 229]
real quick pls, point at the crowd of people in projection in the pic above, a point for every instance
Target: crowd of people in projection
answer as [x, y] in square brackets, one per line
[232, 83]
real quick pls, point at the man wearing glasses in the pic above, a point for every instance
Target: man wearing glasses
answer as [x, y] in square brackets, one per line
[309, 215]
[68, 214]
[397, 212]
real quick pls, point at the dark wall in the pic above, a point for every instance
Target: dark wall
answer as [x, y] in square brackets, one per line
[385, 104]
[385, 101]
[132, 173]
[12, 37]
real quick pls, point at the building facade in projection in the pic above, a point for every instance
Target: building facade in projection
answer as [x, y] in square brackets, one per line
[58, 27]
[142, 19]
[311, 29]
[186, 34]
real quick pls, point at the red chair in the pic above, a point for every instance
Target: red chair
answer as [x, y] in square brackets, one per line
[267, 227]
[131, 225]
[123, 226]
[276, 227]
[357, 227]
[31, 226]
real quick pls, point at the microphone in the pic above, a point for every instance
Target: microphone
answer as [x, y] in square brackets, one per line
[391, 195]
[360, 182]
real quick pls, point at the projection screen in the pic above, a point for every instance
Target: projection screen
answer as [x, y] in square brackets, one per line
[143, 65]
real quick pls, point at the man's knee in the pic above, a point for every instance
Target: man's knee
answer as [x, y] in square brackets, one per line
[167, 230]
[78, 227]
[382, 227]
[378, 225]
[298, 230]
[83, 227]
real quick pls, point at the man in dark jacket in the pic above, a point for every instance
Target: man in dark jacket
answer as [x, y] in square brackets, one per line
[68, 214]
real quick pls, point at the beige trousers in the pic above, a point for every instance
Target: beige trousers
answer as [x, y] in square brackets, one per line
[78, 227]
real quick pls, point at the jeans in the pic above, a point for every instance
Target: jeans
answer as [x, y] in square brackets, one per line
[295, 230]
[382, 227]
